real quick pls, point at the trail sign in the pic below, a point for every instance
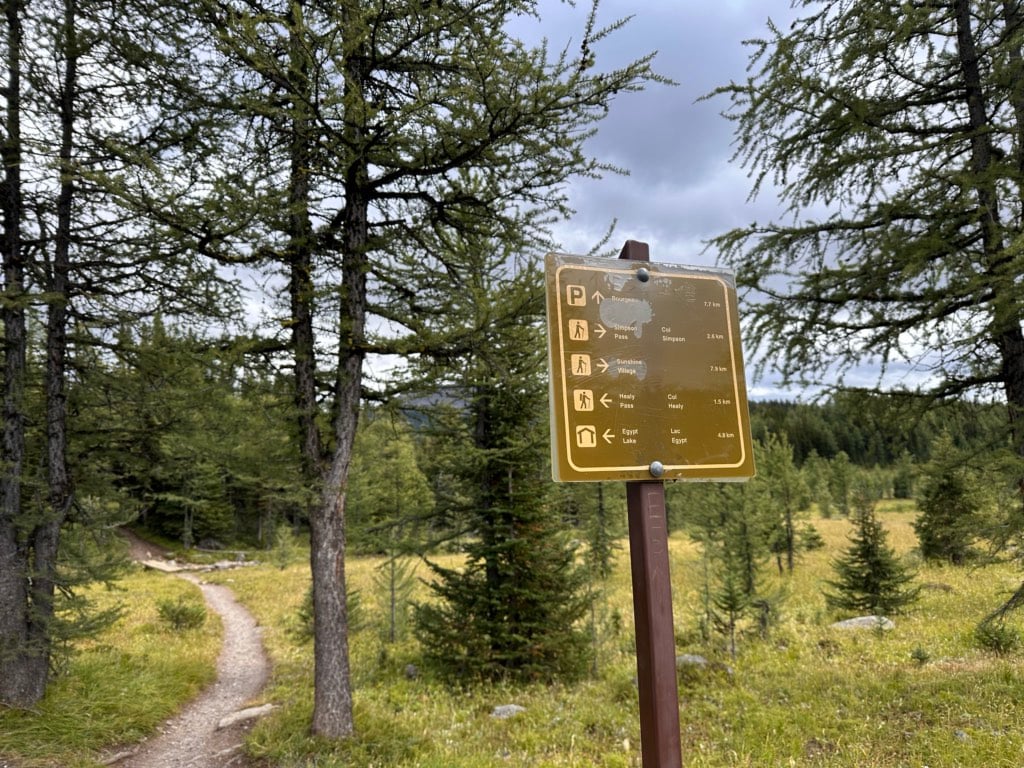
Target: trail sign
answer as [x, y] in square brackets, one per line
[647, 372]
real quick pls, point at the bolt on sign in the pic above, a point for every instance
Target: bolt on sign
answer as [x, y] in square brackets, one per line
[646, 372]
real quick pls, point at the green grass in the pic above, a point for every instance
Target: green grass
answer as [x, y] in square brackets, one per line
[809, 695]
[923, 694]
[119, 686]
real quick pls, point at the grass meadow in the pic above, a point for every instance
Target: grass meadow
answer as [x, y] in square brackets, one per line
[923, 694]
[119, 686]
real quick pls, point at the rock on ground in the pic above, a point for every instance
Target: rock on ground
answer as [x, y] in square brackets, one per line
[505, 711]
[866, 622]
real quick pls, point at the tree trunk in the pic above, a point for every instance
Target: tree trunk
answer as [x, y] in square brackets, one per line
[332, 687]
[1012, 347]
[300, 259]
[332, 696]
[18, 685]
[1006, 318]
[45, 538]
[488, 515]
[392, 599]
[790, 535]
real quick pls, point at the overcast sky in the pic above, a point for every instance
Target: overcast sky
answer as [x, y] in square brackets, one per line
[682, 188]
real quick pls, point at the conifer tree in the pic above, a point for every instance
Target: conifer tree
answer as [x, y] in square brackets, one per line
[904, 476]
[840, 482]
[390, 504]
[78, 85]
[950, 501]
[891, 133]
[869, 576]
[732, 524]
[389, 497]
[163, 427]
[603, 528]
[597, 513]
[737, 556]
[787, 494]
[514, 608]
[816, 471]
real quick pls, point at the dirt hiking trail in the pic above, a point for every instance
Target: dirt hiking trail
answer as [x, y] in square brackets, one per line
[209, 731]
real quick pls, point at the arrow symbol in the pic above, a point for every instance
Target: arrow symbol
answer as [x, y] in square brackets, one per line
[599, 330]
[604, 398]
[608, 436]
[602, 364]
[597, 296]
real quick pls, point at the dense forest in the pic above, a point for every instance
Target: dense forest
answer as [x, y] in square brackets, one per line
[873, 429]
[165, 423]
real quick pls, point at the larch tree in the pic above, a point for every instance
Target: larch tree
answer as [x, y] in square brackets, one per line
[893, 135]
[18, 668]
[379, 138]
[78, 79]
[732, 524]
[786, 494]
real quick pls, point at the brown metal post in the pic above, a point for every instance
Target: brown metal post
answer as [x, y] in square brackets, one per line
[652, 609]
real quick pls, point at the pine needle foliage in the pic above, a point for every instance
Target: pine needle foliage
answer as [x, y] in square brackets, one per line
[890, 135]
[950, 502]
[870, 578]
[516, 608]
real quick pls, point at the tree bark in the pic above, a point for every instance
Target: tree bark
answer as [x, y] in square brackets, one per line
[1012, 344]
[45, 538]
[300, 258]
[332, 698]
[1006, 317]
[332, 688]
[17, 686]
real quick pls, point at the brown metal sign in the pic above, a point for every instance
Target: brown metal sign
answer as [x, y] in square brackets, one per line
[646, 372]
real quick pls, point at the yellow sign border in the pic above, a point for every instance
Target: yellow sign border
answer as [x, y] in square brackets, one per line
[738, 385]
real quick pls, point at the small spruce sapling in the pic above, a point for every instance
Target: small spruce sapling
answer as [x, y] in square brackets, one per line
[869, 576]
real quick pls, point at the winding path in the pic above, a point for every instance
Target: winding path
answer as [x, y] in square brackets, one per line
[209, 732]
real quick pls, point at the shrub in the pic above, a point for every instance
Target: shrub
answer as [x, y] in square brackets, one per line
[920, 655]
[997, 637]
[182, 613]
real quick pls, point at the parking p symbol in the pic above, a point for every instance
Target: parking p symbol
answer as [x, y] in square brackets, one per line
[576, 295]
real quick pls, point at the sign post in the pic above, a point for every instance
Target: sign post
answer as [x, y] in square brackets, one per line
[647, 384]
